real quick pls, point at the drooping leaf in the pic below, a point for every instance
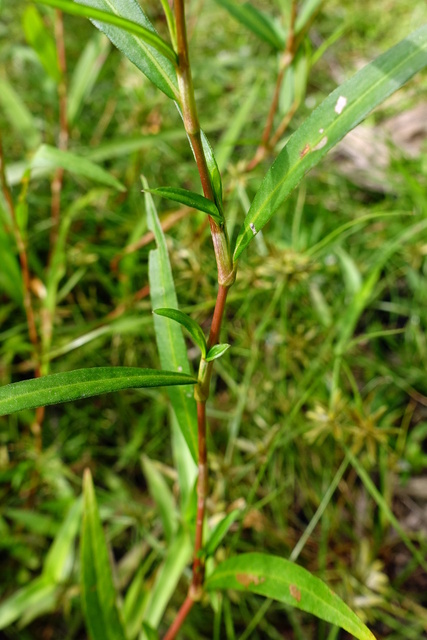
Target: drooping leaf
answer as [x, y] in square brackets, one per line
[342, 110]
[157, 67]
[98, 594]
[191, 325]
[170, 341]
[217, 351]
[147, 35]
[83, 383]
[49, 158]
[41, 594]
[190, 199]
[41, 40]
[277, 578]
[256, 21]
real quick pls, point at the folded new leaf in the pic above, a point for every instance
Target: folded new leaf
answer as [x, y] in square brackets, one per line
[83, 383]
[190, 199]
[217, 351]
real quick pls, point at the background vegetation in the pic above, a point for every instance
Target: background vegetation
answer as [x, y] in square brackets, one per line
[316, 463]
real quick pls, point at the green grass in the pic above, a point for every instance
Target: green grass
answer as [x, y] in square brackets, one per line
[287, 403]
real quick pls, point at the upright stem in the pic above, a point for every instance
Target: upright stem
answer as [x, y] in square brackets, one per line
[226, 275]
[226, 272]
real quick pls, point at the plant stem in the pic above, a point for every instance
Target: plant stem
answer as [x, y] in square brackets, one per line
[177, 623]
[226, 272]
[226, 275]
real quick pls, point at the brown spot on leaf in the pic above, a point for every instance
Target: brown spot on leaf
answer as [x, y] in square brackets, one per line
[305, 151]
[246, 579]
[295, 592]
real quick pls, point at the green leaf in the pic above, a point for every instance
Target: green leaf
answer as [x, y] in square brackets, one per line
[18, 115]
[86, 73]
[83, 383]
[170, 341]
[342, 110]
[97, 589]
[40, 595]
[58, 563]
[148, 35]
[256, 21]
[192, 327]
[277, 578]
[156, 66]
[162, 496]
[190, 199]
[220, 531]
[177, 558]
[214, 172]
[150, 633]
[49, 158]
[39, 38]
[217, 351]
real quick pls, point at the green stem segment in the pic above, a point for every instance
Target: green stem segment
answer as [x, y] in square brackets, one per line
[226, 272]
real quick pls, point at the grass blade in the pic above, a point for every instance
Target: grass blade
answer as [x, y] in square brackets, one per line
[162, 496]
[50, 158]
[39, 38]
[83, 383]
[149, 36]
[170, 341]
[18, 115]
[282, 580]
[97, 589]
[86, 74]
[342, 110]
[192, 327]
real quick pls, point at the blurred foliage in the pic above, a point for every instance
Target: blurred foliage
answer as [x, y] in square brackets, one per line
[286, 401]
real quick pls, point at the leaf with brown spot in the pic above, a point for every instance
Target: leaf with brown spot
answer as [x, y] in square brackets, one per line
[246, 579]
[295, 592]
[277, 578]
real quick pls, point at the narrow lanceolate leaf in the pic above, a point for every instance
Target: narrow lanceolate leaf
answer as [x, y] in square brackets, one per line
[190, 199]
[147, 35]
[155, 65]
[83, 383]
[18, 115]
[342, 110]
[97, 589]
[169, 338]
[277, 578]
[191, 325]
[256, 21]
[49, 158]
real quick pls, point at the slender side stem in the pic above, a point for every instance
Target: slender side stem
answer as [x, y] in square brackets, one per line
[285, 62]
[56, 186]
[26, 286]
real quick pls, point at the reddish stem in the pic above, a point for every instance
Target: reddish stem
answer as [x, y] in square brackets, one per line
[179, 620]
